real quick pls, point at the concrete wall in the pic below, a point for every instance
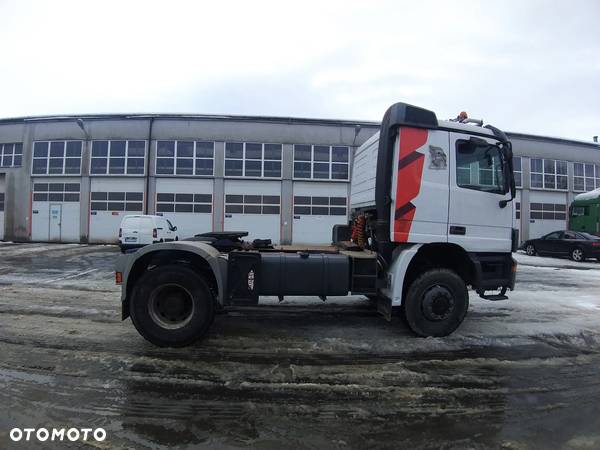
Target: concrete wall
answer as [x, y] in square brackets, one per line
[19, 181]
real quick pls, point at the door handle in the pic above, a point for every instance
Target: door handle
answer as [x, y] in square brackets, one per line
[458, 230]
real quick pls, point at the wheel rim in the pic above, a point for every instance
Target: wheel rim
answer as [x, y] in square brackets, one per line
[171, 306]
[530, 250]
[577, 254]
[438, 303]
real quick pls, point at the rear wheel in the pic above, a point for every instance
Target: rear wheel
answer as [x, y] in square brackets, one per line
[172, 306]
[577, 254]
[436, 303]
[530, 250]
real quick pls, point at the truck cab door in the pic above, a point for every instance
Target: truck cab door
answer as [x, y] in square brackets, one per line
[419, 207]
[476, 221]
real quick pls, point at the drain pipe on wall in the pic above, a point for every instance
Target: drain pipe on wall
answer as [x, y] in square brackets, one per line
[147, 177]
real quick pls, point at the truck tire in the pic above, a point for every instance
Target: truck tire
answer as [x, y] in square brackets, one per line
[172, 306]
[436, 303]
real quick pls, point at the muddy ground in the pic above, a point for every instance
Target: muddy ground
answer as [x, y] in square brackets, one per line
[522, 373]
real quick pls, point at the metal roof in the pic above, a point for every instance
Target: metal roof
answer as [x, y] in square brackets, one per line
[557, 140]
[186, 116]
[275, 119]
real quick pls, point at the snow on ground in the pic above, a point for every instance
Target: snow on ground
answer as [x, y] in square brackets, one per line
[543, 261]
[520, 373]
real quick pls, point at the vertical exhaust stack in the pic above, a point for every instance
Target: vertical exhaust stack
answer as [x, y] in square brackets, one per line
[595, 138]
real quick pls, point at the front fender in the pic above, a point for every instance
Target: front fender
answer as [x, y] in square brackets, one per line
[397, 272]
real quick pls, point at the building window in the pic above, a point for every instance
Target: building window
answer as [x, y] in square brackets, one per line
[547, 211]
[1, 201]
[56, 158]
[586, 177]
[185, 158]
[118, 158]
[252, 204]
[117, 201]
[248, 159]
[183, 203]
[56, 192]
[321, 162]
[548, 174]
[320, 206]
[11, 155]
[517, 210]
[518, 171]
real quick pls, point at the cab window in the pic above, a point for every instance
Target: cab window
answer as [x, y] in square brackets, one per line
[479, 166]
[579, 211]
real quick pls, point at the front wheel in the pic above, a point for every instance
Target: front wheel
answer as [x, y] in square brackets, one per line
[530, 250]
[172, 306]
[436, 303]
[577, 254]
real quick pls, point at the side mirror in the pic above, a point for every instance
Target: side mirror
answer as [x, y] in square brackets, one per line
[509, 174]
[174, 228]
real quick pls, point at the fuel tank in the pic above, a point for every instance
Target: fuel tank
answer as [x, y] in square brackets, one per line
[304, 273]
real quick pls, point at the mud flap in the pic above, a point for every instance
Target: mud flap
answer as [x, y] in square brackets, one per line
[384, 307]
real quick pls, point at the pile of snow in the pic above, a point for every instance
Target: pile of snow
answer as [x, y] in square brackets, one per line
[591, 195]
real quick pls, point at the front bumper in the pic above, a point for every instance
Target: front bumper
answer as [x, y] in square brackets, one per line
[493, 271]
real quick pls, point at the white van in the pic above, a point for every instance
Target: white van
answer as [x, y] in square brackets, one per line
[138, 230]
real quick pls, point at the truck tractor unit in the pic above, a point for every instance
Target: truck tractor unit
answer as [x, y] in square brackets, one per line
[431, 217]
[584, 212]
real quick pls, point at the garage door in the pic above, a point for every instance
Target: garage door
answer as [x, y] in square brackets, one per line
[107, 210]
[546, 218]
[547, 212]
[2, 206]
[111, 199]
[253, 206]
[55, 212]
[187, 203]
[317, 208]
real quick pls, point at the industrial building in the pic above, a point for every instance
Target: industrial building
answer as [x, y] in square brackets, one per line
[73, 178]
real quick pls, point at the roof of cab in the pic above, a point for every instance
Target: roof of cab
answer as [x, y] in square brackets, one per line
[464, 127]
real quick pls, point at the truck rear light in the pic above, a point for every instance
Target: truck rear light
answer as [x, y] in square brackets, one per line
[154, 233]
[120, 232]
[118, 277]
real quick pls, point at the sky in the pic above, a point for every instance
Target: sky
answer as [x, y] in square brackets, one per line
[524, 66]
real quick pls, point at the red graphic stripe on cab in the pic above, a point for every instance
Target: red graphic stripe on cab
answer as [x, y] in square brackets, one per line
[410, 171]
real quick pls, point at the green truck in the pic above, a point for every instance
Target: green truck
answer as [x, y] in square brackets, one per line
[584, 213]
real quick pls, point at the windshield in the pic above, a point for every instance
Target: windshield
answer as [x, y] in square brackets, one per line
[479, 166]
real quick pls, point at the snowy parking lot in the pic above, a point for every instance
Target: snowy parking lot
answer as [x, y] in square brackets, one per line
[520, 373]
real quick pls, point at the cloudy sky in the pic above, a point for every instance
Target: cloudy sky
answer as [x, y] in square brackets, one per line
[529, 66]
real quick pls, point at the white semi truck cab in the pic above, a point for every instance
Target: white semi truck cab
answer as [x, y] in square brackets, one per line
[431, 216]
